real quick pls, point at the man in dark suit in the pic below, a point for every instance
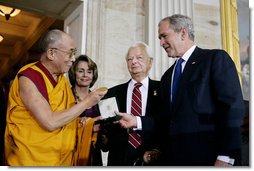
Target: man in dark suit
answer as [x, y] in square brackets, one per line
[121, 152]
[202, 126]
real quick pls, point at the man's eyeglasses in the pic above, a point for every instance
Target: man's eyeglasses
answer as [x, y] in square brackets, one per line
[71, 53]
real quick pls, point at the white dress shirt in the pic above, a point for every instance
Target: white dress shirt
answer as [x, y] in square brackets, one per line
[144, 93]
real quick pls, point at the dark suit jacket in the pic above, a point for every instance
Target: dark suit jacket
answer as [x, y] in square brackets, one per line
[120, 151]
[208, 114]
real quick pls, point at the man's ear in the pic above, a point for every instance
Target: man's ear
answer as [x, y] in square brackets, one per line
[50, 54]
[184, 33]
[150, 63]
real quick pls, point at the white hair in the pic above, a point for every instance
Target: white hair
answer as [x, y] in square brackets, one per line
[142, 45]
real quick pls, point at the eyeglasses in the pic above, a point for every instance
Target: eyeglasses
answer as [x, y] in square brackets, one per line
[71, 53]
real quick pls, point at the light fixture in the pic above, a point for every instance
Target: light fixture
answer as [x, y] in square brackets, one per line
[1, 38]
[8, 12]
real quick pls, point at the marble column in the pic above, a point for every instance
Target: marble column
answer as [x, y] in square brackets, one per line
[112, 26]
[155, 11]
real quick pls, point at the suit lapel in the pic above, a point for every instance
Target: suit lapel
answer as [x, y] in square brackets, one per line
[122, 96]
[167, 92]
[152, 91]
[191, 65]
[189, 69]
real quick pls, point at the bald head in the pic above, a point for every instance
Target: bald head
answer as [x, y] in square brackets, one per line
[51, 39]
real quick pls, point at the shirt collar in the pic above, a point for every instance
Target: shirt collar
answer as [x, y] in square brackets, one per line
[144, 82]
[187, 54]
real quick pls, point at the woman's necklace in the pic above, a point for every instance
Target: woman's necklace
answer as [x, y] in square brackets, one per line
[77, 97]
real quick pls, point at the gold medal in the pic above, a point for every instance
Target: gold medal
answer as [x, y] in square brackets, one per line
[101, 89]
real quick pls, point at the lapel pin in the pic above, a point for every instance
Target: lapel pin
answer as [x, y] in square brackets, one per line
[193, 63]
[155, 93]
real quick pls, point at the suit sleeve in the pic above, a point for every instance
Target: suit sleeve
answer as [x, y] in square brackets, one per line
[229, 105]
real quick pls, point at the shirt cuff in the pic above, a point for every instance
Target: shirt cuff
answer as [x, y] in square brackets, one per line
[226, 159]
[139, 124]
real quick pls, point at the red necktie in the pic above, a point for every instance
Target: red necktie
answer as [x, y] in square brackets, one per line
[136, 110]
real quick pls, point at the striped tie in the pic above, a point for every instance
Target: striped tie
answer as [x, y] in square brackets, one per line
[136, 110]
